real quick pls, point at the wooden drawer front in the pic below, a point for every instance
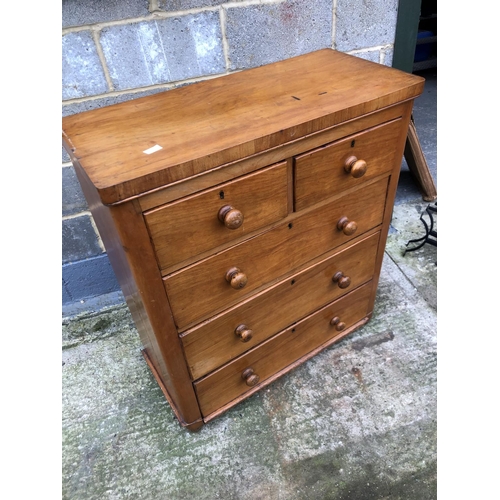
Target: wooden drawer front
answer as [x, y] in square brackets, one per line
[226, 384]
[215, 343]
[202, 289]
[191, 226]
[320, 174]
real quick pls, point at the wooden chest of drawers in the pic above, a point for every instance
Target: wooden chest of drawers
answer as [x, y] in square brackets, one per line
[246, 216]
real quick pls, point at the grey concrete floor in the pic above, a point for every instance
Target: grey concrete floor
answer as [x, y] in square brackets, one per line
[358, 421]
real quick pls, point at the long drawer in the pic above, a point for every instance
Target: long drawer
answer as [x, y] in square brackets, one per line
[226, 336]
[237, 377]
[204, 221]
[212, 285]
[345, 164]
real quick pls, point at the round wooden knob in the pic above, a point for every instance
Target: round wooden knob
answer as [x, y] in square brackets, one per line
[339, 325]
[243, 332]
[355, 167]
[347, 226]
[230, 217]
[236, 278]
[250, 377]
[341, 280]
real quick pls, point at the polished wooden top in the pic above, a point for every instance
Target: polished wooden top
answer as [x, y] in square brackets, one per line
[218, 121]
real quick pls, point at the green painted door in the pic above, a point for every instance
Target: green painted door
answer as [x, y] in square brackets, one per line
[406, 34]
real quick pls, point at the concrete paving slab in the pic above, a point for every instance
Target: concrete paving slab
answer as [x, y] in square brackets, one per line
[418, 265]
[358, 421]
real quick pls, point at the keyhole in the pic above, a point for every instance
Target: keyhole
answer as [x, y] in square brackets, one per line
[352, 143]
[221, 195]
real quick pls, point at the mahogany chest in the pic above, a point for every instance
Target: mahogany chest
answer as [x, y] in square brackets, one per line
[246, 216]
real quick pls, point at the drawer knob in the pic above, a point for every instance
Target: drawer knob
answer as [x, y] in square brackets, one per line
[250, 377]
[230, 217]
[243, 332]
[339, 325]
[355, 167]
[347, 226]
[341, 280]
[236, 278]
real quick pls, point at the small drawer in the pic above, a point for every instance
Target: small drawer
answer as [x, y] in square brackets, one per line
[228, 335]
[341, 165]
[220, 281]
[199, 223]
[254, 367]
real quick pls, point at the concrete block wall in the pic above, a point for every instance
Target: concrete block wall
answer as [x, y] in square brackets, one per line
[116, 50]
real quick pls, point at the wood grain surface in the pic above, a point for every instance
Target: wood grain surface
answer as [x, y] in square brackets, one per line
[187, 228]
[214, 343]
[201, 290]
[206, 124]
[231, 218]
[321, 172]
[228, 171]
[225, 384]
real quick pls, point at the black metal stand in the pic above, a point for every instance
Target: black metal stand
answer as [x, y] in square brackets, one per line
[430, 234]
